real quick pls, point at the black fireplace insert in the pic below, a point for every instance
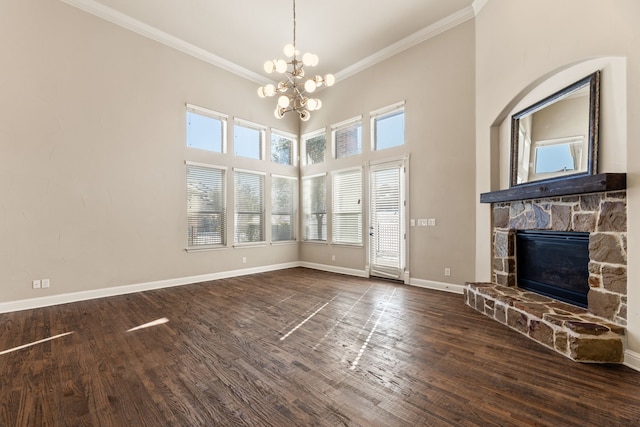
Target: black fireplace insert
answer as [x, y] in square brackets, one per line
[555, 264]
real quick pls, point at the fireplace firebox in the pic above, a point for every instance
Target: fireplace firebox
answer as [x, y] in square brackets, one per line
[555, 264]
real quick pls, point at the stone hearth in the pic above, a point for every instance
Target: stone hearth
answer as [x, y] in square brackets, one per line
[591, 335]
[567, 329]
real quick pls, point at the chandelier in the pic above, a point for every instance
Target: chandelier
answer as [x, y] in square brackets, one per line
[294, 89]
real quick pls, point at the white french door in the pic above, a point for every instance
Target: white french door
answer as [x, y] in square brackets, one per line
[387, 238]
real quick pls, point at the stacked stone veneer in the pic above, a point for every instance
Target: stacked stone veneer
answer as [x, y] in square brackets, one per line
[594, 334]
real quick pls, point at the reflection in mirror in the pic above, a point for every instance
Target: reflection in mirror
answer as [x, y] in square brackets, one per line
[558, 136]
[559, 155]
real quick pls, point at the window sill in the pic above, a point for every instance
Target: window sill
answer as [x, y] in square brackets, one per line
[205, 248]
[250, 245]
[284, 242]
[348, 245]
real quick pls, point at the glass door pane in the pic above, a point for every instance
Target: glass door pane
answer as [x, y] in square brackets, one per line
[386, 222]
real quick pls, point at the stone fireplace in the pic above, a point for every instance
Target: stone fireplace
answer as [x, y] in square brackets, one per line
[594, 334]
[603, 216]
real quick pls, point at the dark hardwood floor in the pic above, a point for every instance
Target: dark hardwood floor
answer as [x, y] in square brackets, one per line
[294, 348]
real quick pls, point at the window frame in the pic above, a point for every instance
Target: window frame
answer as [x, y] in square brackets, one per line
[262, 213]
[262, 132]
[294, 212]
[294, 143]
[335, 128]
[303, 146]
[386, 112]
[222, 118]
[304, 222]
[223, 212]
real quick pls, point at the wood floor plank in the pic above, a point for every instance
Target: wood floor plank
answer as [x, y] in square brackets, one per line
[295, 347]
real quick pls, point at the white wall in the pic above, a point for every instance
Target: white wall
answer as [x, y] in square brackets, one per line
[436, 79]
[521, 44]
[92, 154]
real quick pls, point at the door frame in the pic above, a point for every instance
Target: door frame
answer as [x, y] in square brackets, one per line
[403, 163]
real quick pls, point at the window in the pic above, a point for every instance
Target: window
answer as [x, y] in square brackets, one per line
[249, 206]
[346, 219]
[558, 155]
[205, 205]
[314, 208]
[315, 146]
[282, 148]
[347, 137]
[283, 208]
[248, 140]
[387, 127]
[206, 129]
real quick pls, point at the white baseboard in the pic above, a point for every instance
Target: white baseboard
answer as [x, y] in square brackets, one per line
[30, 303]
[335, 269]
[632, 359]
[439, 286]
[429, 284]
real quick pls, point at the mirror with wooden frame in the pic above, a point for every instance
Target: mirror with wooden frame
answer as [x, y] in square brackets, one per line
[557, 137]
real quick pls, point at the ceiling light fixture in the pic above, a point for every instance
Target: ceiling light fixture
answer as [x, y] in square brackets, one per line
[293, 91]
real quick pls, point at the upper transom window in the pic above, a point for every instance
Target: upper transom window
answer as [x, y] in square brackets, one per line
[387, 127]
[248, 140]
[347, 137]
[206, 129]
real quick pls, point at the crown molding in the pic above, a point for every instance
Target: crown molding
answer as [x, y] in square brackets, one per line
[478, 5]
[97, 9]
[408, 42]
[125, 21]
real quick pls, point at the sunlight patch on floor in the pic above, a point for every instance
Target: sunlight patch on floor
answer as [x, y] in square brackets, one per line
[34, 343]
[150, 324]
[373, 330]
[307, 319]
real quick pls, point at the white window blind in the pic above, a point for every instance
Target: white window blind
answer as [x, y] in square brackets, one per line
[346, 219]
[314, 208]
[283, 208]
[249, 207]
[386, 221]
[205, 206]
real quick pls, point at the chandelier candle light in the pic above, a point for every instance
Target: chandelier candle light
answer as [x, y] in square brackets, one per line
[293, 91]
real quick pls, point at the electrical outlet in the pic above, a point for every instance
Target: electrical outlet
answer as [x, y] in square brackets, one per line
[36, 284]
[431, 222]
[412, 222]
[45, 283]
[244, 259]
[333, 257]
[447, 272]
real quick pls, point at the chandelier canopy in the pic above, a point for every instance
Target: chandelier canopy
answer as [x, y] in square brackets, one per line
[293, 91]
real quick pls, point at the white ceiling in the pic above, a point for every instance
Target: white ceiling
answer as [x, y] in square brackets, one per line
[240, 35]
